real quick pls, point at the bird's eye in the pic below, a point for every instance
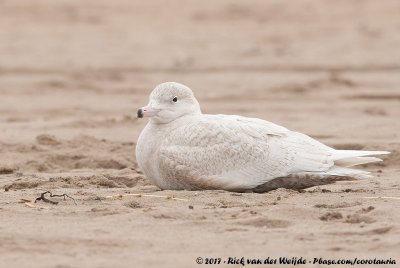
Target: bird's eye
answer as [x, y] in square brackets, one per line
[175, 99]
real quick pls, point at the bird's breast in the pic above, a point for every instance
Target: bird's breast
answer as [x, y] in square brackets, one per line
[147, 152]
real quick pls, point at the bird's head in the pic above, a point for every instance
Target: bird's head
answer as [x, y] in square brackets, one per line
[168, 102]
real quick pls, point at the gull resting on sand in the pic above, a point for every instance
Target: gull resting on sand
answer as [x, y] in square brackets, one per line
[182, 148]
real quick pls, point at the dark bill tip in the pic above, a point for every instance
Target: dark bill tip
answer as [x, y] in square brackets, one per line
[140, 113]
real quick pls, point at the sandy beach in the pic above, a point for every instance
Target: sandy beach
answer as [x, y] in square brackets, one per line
[74, 73]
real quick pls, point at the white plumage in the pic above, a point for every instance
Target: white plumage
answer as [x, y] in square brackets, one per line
[181, 148]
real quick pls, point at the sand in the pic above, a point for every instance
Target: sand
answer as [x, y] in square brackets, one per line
[72, 75]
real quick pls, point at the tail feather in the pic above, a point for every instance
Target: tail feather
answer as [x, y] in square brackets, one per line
[343, 154]
[348, 172]
[349, 158]
[353, 161]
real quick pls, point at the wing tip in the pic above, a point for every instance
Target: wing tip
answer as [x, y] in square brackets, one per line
[380, 152]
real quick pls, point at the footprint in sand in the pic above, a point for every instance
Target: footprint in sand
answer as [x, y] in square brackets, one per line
[266, 223]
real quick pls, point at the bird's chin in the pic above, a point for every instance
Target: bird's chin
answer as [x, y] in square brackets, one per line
[162, 119]
[159, 120]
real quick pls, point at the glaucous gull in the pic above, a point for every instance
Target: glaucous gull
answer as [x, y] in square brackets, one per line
[181, 148]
